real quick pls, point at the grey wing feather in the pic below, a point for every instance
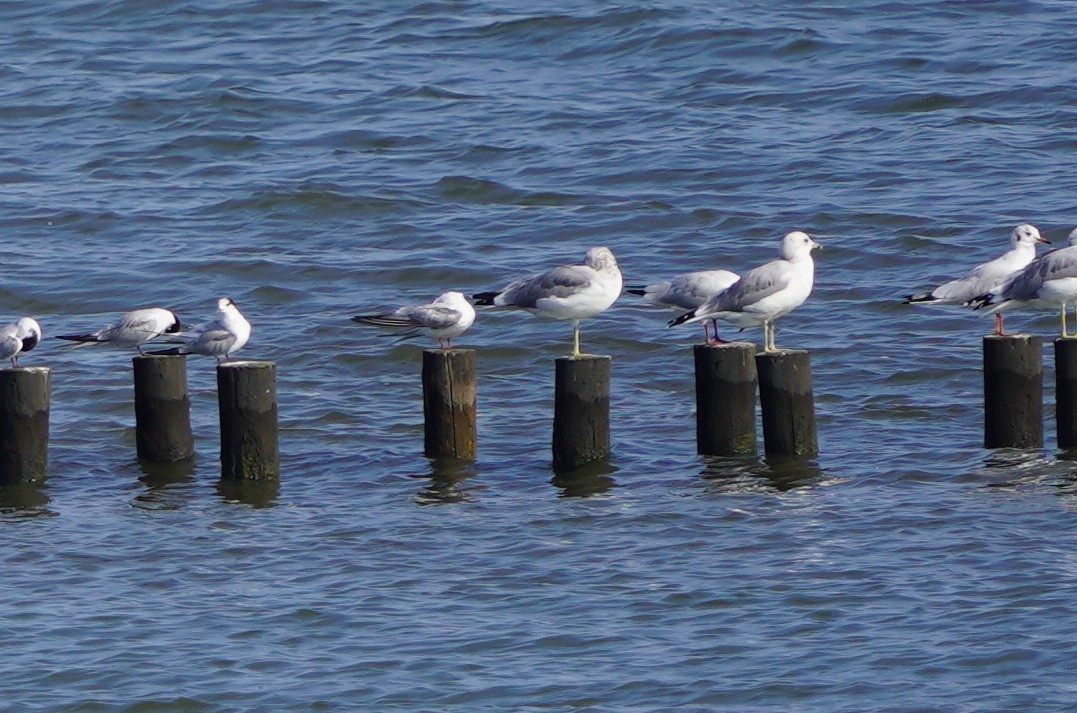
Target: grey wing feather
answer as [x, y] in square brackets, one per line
[558, 282]
[755, 285]
[213, 340]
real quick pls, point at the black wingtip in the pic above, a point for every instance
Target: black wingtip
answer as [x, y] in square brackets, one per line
[980, 302]
[923, 297]
[174, 351]
[485, 299]
[636, 291]
[76, 337]
[681, 319]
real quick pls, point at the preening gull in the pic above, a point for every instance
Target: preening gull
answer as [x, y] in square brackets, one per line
[1050, 280]
[764, 293]
[988, 277]
[688, 291]
[571, 292]
[21, 336]
[220, 338]
[448, 316]
[132, 330]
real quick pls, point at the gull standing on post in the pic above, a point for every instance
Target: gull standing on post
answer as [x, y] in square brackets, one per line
[448, 316]
[571, 292]
[764, 293]
[19, 337]
[1050, 280]
[220, 338]
[688, 291]
[988, 277]
[132, 330]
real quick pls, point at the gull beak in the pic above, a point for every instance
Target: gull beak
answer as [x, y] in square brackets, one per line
[1042, 239]
[816, 246]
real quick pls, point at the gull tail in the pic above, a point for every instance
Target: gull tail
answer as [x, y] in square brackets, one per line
[381, 320]
[83, 338]
[686, 317]
[485, 299]
[922, 297]
[636, 290]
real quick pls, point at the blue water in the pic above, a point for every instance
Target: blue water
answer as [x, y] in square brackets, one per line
[316, 159]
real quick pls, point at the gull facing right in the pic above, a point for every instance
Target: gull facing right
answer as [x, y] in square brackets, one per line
[132, 329]
[448, 316]
[988, 277]
[571, 292]
[764, 293]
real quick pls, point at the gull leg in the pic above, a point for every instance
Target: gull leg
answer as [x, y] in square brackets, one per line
[1062, 316]
[706, 332]
[998, 324]
[576, 338]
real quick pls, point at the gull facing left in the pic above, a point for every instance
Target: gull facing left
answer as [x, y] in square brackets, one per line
[571, 292]
[220, 338]
[132, 329]
[448, 316]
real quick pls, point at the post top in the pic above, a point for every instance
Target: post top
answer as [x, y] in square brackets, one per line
[25, 370]
[246, 364]
[454, 350]
[1011, 337]
[779, 353]
[585, 357]
[725, 345]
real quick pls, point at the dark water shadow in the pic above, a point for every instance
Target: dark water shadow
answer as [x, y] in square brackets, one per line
[167, 484]
[585, 481]
[19, 501]
[1011, 468]
[256, 493]
[748, 474]
[445, 477]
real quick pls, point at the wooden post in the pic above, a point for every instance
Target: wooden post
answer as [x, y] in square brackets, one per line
[162, 409]
[787, 403]
[247, 395]
[581, 411]
[449, 395]
[725, 398]
[24, 423]
[1066, 392]
[1013, 391]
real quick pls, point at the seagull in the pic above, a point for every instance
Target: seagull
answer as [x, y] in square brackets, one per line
[571, 292]
[1049, 280]
[220, 338]
[448, 316]
[988, 277]
[688, 291]
[764, 293]
[132, 330]
[19, 337]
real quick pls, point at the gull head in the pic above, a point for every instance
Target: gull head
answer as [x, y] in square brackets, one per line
[600, 259]
[225, 303]
[175, 327]
[29, 331]
[798, 245]
[450, 298]
[1025, 234]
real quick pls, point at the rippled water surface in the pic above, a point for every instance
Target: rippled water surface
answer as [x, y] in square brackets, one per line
[313, 159]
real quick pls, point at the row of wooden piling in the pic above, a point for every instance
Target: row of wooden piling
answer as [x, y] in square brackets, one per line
[727, 378]
[247, 401]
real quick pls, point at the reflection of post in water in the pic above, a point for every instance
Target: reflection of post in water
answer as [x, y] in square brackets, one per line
[589, 479]
[24, 424]
[162, 408]
[247, 396]
[745, 475]
[445, 476]
[256, 493]
[20, 500]
[167, 484]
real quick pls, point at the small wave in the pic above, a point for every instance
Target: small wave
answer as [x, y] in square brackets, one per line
[478, 190]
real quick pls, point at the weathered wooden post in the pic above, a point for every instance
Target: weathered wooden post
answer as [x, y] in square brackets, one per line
[449, 396]
[581, 411]
[247, 396]
[787, 403]
[24, 423]
[1013, 391]
[162, 409]
[1066, 392]
[725, 398]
